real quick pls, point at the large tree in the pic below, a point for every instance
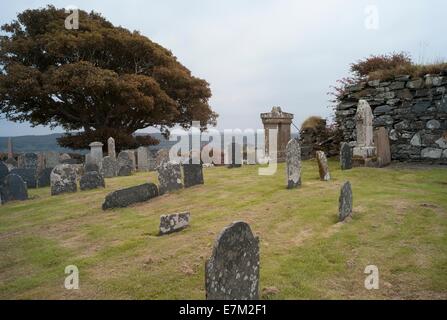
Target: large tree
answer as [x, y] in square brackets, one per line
[98, 80]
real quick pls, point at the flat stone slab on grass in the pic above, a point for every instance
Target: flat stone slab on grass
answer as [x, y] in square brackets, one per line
[232, 272]
[92, 180]
[174, 222]
[125, 197]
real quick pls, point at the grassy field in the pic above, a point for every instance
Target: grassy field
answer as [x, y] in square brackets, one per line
[399, 225]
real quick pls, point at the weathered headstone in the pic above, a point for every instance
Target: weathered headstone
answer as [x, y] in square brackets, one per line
[51, 159]
[323, 167]
[152, 160]
[235, 155]
[133, 161]
[43, 178]
[162, 156]
[169, 177]
[125, 197]
[64, 157]
[111, 148]
[174, 222]
[13, 188]
[143, 159]
[28, 161]
[382, 143]
[192, 175]
[124, 171]
[345, 201]
[63, 179]
[28, 175]
[124, 164]
[41, 161]
[293, 164]
[91, 167]
[92, 180]
[4, 171]
[232, 272]
[345, 156]
[11, 163]
[95, 156]
[364, 152]
[109, 167]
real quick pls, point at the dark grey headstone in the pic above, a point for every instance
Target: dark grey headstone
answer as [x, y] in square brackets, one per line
[13, 188]
[192, 175]
[4, 171]
[92, 180]
[169, 177]
[232, 272]
[28, 175]
[91, 167]
[345, 156]
[109, 167]
[125, 197]
[28, 161]
[125, 164]
[43, 178]
[174, 222]
[345, 201]
[293, 164]
[125, 171]
[63, 179]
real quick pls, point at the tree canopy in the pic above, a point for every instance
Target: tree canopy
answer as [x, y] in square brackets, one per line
[97, 81]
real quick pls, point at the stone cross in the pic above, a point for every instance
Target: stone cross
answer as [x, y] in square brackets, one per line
[293, 164]
[111, 148]
[364, 147]
[323, 167]
[232, 271]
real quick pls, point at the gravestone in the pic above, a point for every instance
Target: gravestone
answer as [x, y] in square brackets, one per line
[192, 175]
[169, 177]
[41, 161]
[124, 171]
[162, 156]
[96, 154]
[364, 152]
[152, 160]
[174, 222]
[51, 159]
[345, 156]
[235, 155]
[345, 202]
[90, 166]
[28, 175]
[64, 157]
[111, 148]
[4, 171]
[43, 178]
[92, 180]
[124, 164]
[125, 197]
[232, 272]
[293, 164]
[143, 159]
[323, 167]
[28, 161]
[11, 163]
[109, 167]
[382, 143]
[133, 161]
[13, 188]
[63, 179]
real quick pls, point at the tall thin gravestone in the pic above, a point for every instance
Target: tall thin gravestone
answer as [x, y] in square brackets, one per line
[293, 164]
[111, 148]
[364, 153]
[345, 156]
[345, 202]
[232, 271]
[143, 159]
[323, 167]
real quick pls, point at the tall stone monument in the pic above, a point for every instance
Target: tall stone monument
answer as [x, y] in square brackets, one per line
[281, 121]
[96, 155]
[364, 153]
[111, 148]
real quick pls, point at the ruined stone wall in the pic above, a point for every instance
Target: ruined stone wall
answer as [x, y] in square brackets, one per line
[413, 110]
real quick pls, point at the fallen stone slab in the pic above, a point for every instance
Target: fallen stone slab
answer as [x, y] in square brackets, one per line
[170, 223]
[125, 197]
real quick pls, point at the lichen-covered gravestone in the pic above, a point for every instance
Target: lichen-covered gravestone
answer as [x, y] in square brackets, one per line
[63, 179]
[92, 180]
[345, 202]
[232, 272]
[345, 156]
[293, 164]
[4, 171]
[91, 167]
[43, 178]
[323, 167]
[192, 175]
[169, 177]
[124, 164]
[109, 167]
[28, 161]
[125, 197]
[28, 175]
[13, 188]
[111, 148]
[170, 223]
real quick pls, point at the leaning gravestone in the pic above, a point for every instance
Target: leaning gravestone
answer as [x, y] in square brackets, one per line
[323, 167]
[92, 180]
[169, 177]
[13, 188]
[43, 178]
[28, 175]
[109, 167]
[232, 272]
[345, 202]
[293, 164]
[192, 175]
[4, 171]
[63, 179]
[345, 156]
[170, 223]
[28, 161]
[125, 197]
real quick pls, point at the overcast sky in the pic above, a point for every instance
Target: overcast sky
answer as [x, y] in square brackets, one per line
[259, 54]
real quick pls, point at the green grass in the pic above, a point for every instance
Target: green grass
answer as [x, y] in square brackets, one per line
[399, 225]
